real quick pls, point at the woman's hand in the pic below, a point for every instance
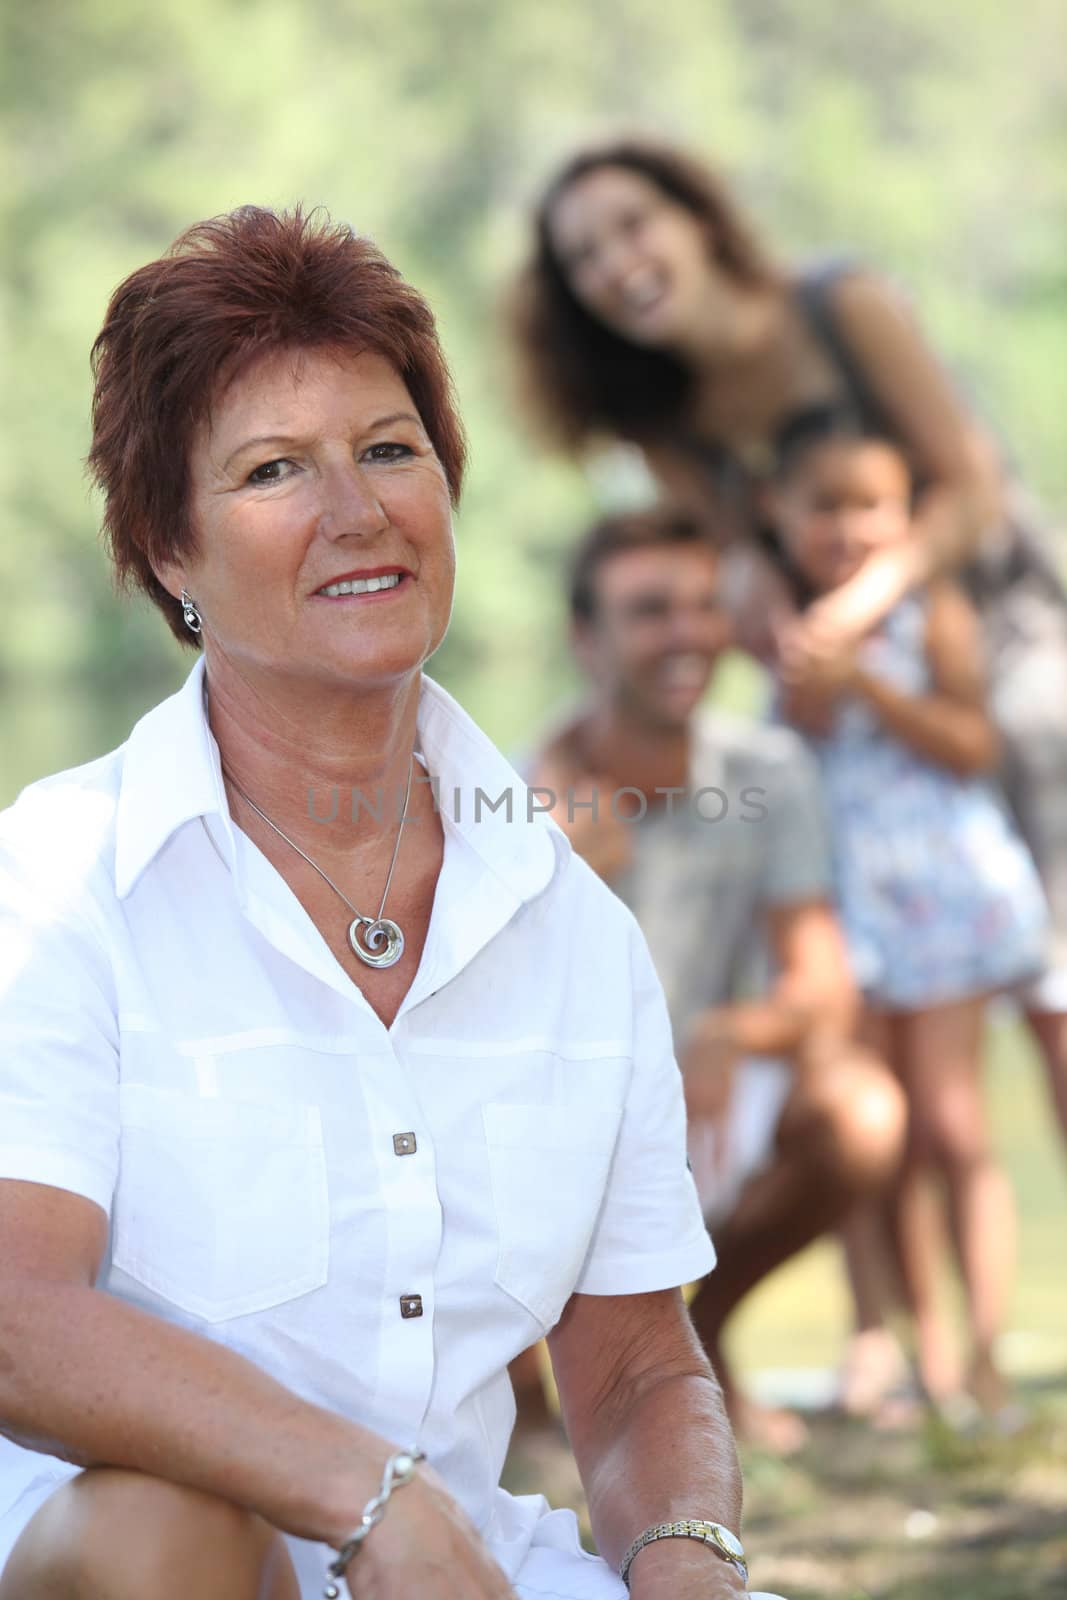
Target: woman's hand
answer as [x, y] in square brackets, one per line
[425, 1545]
[817, 667]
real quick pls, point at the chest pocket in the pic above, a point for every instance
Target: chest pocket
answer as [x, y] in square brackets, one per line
[549, 1170]
[222, 1206]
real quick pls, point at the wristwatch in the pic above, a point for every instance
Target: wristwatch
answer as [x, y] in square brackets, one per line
[720, 1539]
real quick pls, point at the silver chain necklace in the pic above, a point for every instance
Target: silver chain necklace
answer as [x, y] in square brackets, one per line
[377, 941]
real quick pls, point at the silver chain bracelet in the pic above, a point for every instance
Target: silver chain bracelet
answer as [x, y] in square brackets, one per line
[399, 1470]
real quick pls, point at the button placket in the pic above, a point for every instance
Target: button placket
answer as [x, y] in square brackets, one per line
[413, 1207]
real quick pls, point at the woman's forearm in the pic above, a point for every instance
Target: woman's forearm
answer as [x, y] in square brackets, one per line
[98, 1382]
[949, 523]
[671, 1456]
[646, 1421]
[947, 531]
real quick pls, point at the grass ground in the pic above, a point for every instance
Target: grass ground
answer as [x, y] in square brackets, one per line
[920, 1515]
[925, 1513]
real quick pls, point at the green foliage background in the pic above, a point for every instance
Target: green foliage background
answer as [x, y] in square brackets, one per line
[931, 139]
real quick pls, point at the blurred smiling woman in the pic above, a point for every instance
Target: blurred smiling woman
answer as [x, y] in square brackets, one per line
[308, 1129]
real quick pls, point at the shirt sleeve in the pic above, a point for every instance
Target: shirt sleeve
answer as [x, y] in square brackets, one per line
[58, 1032]
[650, 1233]
[798, 863]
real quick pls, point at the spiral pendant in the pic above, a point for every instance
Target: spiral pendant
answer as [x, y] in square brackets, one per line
[377, 941]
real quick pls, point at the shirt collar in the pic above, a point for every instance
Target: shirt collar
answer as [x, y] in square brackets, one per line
[172, 774]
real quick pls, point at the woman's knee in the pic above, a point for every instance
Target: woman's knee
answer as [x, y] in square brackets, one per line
[110, 1534]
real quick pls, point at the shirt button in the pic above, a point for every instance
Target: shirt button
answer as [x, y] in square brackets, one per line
[411, 1305]
[404, 1144]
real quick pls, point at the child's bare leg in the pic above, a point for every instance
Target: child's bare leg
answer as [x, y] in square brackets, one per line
[919, 1242]
[946, 1092]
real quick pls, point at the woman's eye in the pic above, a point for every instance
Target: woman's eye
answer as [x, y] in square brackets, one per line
[389, 451]
[270, 472]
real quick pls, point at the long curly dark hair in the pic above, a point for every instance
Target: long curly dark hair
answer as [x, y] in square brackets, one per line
[577, 378]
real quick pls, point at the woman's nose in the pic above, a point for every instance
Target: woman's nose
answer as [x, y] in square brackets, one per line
[350, 504]
[616, 258]
[606, 262]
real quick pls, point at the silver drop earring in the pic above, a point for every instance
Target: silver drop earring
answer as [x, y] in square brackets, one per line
[190, 615]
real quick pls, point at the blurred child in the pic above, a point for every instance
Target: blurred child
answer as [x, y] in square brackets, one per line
[938, 895]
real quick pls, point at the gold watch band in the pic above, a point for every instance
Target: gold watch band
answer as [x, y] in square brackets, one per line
[713, 1534]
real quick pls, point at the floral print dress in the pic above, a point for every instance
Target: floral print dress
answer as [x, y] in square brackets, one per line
[938, 894]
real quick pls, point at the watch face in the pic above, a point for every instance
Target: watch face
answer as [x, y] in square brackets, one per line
[730, 1543]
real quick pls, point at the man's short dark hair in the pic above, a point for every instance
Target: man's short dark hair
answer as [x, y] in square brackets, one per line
[630, 530]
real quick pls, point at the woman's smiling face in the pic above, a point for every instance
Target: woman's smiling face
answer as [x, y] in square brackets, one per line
[314, 471]
[637, 259]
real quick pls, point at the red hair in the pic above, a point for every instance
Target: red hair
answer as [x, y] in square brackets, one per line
[227, 292]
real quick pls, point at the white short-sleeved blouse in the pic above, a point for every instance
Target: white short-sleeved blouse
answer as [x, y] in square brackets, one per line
[379, 1217]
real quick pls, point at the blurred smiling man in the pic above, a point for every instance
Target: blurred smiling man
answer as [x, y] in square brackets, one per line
[711, 830]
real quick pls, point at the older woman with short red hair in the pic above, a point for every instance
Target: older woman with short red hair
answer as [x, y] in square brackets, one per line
[323, 1095]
